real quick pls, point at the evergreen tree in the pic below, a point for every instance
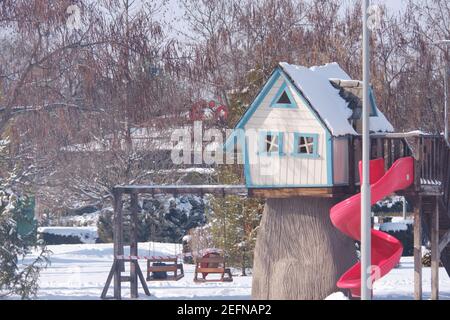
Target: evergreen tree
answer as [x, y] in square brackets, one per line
[105, 226]
[234, 223]
[18, 232]
[234, 220]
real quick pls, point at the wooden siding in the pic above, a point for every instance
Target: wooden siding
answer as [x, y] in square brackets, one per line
[340, 160]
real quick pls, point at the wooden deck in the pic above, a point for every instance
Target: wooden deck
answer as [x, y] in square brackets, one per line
[299, 192]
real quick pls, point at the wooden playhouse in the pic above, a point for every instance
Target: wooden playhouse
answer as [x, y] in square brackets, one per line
[296, 132]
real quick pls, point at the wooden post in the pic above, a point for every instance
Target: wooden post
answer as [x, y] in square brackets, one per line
[418, 164]
[435, 252]
[388, 160]
[134, 244]
[351, 164]
[118, 241]
[379, 148]
[418, 250]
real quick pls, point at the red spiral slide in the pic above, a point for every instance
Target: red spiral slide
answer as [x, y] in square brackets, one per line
[345, 216]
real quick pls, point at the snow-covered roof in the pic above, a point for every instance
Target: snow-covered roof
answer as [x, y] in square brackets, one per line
[314, 84]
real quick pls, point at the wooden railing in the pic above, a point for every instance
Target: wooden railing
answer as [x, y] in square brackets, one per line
[446, 178]
[430, 152]
[432, 160]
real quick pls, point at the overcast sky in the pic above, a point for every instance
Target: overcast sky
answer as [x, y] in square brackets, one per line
[394, 5]
[173, 13]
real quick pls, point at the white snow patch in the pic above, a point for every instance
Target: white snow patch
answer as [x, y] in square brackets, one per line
[86, 219]
[79, 271]
[380, 123]
[393, 226]
[337, 296]
[400, 219]
[331, 71]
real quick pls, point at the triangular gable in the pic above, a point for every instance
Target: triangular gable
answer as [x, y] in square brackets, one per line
[276, 74]
[283, 98]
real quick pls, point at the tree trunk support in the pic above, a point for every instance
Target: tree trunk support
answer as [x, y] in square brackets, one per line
[299, 254]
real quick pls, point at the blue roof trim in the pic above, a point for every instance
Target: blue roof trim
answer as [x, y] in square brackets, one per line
[330, 159]
[248, 177]
[253, 106]
[373, 103]
[259, 98]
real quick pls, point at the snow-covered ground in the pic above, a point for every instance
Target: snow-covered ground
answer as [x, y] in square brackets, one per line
[79, 271]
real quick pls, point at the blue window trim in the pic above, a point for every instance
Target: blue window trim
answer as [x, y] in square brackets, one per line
[259, 98]
[262, 143]
[297, 136]
[283, 88]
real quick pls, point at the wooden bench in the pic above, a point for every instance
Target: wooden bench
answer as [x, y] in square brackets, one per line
[214, 265]
[171, 266]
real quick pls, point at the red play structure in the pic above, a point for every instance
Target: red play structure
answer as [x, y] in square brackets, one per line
[386, 250]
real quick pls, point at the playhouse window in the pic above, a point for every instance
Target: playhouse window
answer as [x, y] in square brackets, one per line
[283, 98]
[271, 143]
[305, 145]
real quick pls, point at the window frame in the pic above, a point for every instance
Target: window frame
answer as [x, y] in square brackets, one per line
[283, 88]
[262, 143]
[297, 136]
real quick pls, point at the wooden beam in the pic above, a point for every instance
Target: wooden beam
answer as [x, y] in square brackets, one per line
[445, 239]
[380, 148]
[108, 280]
[133, 243]
[418, 250]
[351, 165]
[435, 252]
[118, 241]
[224, 190]
[185, 189]
[418, 163]
[430, 190]
[141, 277]
[327, 192]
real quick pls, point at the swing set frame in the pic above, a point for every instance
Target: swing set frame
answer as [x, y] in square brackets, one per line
[115, 276]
